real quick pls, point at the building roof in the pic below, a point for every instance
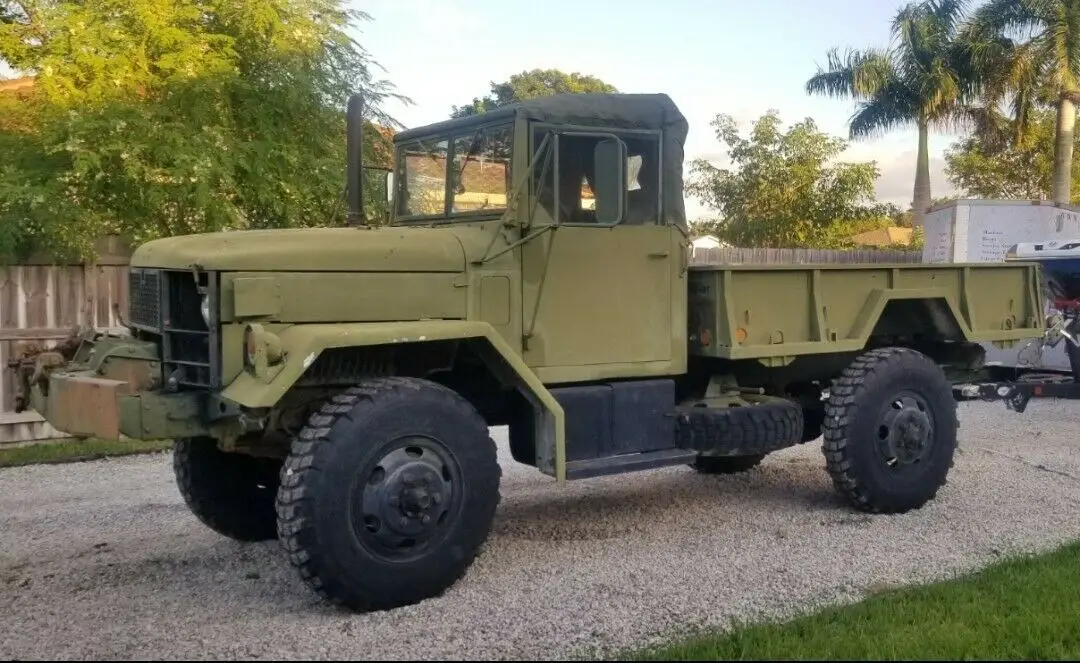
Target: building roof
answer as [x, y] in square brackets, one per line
[884, 236]
[23, 83]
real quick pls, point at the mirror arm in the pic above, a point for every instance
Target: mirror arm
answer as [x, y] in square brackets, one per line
[513, 245]
[506, 221]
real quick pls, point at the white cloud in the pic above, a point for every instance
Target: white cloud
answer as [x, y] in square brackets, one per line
[898, 178]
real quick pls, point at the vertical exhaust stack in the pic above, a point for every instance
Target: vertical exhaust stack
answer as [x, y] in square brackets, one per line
[354, 155]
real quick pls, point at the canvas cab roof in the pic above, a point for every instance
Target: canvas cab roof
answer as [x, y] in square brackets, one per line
[613, 111]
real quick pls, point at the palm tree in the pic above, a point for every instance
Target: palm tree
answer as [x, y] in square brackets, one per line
[1028, 52]
[923, 78]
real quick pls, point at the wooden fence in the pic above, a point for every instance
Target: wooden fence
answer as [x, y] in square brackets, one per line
[41, 302]
[724, 256]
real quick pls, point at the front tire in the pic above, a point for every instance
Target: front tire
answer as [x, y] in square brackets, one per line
[388, 494]
[890, 430]
[231, 493]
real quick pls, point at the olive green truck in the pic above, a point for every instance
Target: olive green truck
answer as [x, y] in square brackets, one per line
[333, 388]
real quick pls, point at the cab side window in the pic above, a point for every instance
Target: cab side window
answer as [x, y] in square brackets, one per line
[576, 199]
[577, 178]
[643, 175]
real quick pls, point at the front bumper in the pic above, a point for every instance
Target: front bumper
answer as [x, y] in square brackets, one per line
[82, 405]
[106, 387]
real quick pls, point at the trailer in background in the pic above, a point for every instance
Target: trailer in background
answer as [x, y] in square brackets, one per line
[982, 230]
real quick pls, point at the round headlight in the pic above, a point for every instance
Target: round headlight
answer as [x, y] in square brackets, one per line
[204, 308]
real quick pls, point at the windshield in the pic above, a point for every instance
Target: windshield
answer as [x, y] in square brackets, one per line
[473, 167]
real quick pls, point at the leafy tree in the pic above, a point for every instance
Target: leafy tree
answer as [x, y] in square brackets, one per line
[531, 84]
[991, 163]
[924, 79]
[1028, 53]
[784, 189]
[161, 117]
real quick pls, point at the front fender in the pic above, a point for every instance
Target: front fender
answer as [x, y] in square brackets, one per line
[302, 344]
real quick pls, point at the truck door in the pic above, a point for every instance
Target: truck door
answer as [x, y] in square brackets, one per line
[597, 289]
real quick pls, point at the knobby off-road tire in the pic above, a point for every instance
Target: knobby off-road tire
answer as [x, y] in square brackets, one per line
[232, 494]
[737, 439]
[890, 431]
[813, 423]
[726, 464]
[388, 494]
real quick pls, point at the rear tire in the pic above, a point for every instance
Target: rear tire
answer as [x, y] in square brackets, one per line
[890, 430]
[231, 493]
[726, 464]
[389, 493]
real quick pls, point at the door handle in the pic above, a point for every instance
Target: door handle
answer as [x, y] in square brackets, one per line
[659, 254]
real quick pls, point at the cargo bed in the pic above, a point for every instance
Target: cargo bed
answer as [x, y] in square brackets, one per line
[781, 311]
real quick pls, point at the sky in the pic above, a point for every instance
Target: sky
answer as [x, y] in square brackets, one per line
[710, 56]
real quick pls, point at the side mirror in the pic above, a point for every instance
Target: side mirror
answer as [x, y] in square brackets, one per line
[376, 178]
[609, 161]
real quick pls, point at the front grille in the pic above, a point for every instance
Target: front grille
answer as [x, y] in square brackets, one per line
[144, 297]
[165, 306]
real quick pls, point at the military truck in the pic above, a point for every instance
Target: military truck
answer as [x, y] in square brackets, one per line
[333, 388]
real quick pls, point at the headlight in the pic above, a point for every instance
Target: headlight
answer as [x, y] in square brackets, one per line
[262, 349]
[204, 308]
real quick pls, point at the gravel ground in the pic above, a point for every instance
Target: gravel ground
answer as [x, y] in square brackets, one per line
[102, 560]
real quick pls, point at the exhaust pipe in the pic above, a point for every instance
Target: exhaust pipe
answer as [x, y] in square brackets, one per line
[354, 156]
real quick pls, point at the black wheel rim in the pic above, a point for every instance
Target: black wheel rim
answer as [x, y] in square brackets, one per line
[905, 432]
[407, 500]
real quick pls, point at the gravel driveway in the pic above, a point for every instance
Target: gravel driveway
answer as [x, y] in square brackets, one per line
[102, 560]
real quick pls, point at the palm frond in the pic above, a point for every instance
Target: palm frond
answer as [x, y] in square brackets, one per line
[987, 121]
[857, 74]
[892, 107]
[950, 14]
[1002, 17]
[914, 41]
[959, 118]
[939, 90]
[1063, 35]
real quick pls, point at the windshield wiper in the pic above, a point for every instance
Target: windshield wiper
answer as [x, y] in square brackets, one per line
[474, 147]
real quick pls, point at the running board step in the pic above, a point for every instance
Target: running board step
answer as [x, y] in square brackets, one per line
[595, 467]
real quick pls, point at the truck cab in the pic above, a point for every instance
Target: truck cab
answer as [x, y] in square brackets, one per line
[605, 295]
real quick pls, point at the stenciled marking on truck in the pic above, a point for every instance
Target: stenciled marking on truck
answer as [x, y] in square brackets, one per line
[701, 289]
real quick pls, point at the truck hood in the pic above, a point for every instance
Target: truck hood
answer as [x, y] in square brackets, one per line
[386, 249]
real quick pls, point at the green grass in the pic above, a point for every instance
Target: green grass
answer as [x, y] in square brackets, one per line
[68, 451]
[1024, 608]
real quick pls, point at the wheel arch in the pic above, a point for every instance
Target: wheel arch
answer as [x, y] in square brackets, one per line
[302, 346]
[931, 317]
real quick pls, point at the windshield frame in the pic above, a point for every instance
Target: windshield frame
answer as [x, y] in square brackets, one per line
[452, 134]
